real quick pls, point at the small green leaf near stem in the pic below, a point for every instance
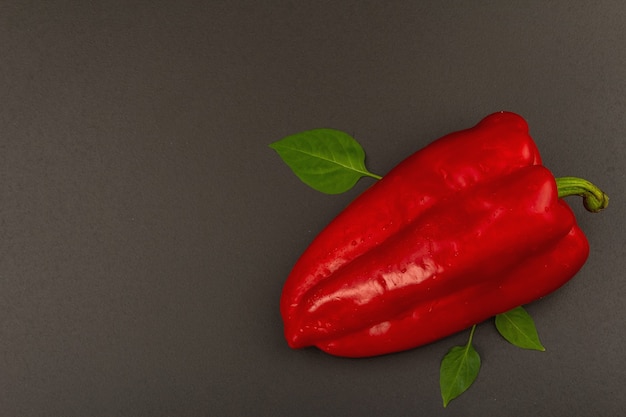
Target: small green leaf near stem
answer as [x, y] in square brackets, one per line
[518, 328]
[328, 160]
[459, 369]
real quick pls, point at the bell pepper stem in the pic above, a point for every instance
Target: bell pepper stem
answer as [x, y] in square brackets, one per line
[594, 199]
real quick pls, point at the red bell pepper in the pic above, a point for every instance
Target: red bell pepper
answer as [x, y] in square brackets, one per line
[468, 227]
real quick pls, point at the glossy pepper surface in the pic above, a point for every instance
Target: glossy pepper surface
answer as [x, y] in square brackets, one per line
[468, 227]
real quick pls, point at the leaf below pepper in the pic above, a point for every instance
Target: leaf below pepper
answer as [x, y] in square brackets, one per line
[327, 160]
[519, 329]
[459, 368]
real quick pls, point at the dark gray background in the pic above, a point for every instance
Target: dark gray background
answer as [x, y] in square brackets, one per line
[146, 228]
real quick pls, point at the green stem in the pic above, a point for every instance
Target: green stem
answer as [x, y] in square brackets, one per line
[594, 198]
[378, 177]
[471, 336]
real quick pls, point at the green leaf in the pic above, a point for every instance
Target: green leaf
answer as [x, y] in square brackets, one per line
[459, 368]
[327, 160]
[518, 328]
